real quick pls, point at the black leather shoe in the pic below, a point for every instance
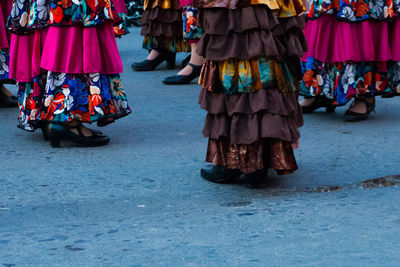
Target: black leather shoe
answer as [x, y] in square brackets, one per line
[7, 101]
[254, 179]
[354, 116]
[43, 125]
[319, 102]
[58, 132]
[184, 79]
[220, 174]
[148, 65]
[186, 61]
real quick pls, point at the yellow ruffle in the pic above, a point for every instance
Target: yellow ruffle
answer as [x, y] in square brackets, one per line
[238, 76]
[164, 4]
[282, 8]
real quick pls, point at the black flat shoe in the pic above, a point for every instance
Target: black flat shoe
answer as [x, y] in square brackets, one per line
[186, 61]
[184, 79]
[255, 179]
[319, 102]
[7, 101]
[220, 174]
[148, 65]
[43, 125]
[58, 132]
[354, 116]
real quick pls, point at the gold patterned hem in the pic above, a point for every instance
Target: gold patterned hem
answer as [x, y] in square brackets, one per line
[267, 153]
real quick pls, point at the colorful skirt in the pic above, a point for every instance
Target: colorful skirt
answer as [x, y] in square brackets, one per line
[351, 58]
[250, 87]
[122, 28]
[162, 26]
[190, 14]
[66, 73]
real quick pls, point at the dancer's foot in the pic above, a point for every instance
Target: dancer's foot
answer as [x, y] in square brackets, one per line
[190, 72]
[7, 100]
[74, 131]
[310, 104]
[154, 59]
[185, 76]
[220, 174]
[360, 109]
[255, 179]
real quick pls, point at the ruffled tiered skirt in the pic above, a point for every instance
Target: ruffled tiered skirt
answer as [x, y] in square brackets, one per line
[162, 26]
[250, 85]
[66, 73]
[353, 50]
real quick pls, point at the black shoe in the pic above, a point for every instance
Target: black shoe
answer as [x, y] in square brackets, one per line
[148, 65]
[319, 102]
[354, 116]
[7, 101]
[255, 179]
[58, 132]
[220, 174]
[43, 125]
[184, 79]
[186, 61]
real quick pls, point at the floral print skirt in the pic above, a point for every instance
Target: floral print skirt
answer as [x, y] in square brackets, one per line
[4, 61]
[65, 59]
[340, 82]
[61, 97]
[352, 52]
[191, 32]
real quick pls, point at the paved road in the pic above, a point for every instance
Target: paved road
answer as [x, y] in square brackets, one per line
[140, 200]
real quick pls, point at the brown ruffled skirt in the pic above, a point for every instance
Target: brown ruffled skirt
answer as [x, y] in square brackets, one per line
[252, 121]
[162, 27]
[250, 32]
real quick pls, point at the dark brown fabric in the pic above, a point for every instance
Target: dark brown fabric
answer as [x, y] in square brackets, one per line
[223, 21]
[158, 22]
[247, 129]
[267, 153]
[249, 32]
[240, 45]
[268, 100]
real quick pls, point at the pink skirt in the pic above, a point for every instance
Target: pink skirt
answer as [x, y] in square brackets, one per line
[25, 55]
[394, 34]
[81, 50]
[73, 50]
[120, 6]
[5, 10]
[330, 40]
[184, 3]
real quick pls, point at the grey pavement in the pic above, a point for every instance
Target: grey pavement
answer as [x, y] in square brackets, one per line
[140, 200]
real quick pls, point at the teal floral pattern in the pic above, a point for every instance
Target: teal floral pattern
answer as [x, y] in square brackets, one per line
[358, 10]
[62, 97]
[342, 81]
[27, 15]
[4, 59]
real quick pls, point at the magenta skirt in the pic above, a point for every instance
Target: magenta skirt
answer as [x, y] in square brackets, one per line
[330, 40]
[184, 3]
[120, 6]
[74, 50]
[5, 10]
